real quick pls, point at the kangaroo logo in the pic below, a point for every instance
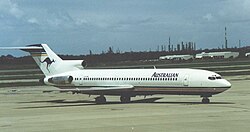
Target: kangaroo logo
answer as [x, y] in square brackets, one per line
[48, 61]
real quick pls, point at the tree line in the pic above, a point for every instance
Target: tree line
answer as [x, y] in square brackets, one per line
[112, 57]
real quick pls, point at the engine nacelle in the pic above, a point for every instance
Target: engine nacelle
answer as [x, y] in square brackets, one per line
[81, 64]
[42, 81]
[61, 80]
[84, 64]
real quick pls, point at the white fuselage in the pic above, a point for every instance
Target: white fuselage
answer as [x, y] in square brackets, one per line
[70, 76]
[148, 81]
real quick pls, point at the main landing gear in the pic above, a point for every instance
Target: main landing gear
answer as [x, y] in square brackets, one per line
[125, 99]
[100, 99]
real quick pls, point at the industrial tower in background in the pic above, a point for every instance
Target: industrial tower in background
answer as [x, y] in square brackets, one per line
[225, 37]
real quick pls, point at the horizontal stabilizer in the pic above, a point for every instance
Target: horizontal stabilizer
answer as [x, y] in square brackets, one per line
[31, 49]
[20, 48]
[45, 58]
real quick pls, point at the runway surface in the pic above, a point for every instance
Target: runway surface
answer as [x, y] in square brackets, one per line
[29, 109]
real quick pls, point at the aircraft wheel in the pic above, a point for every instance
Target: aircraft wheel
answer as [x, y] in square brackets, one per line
[125, 99]
[205, 100]
[100, 99]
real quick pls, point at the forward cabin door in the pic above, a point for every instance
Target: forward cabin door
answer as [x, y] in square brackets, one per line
[81, 81]
[186, 80]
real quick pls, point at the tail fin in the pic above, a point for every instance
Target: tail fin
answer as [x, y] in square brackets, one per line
[45, 58]
[48, 61]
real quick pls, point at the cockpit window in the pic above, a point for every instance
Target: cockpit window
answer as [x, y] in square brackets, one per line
[211, 78]
[218, 78]
[214, 77]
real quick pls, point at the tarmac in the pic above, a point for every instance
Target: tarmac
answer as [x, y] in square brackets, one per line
[28, 109]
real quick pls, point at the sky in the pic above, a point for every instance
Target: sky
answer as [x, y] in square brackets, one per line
[77, 26]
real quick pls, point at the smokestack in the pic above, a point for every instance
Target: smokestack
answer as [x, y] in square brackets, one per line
[239, 43]
[182, 46]
[169, 44]
[178, 47]
[225, 37]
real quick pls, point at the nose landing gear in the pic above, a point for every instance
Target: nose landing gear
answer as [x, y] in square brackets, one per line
[205, 100]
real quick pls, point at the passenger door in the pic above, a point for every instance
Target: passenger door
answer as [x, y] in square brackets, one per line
[186, 81]
[81, 81]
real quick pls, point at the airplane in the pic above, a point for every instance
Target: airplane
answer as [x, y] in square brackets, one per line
[72, 76]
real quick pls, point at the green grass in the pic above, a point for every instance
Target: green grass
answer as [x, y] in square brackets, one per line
[29, 71]
[234, 73]
[22, 77]
[19, 84]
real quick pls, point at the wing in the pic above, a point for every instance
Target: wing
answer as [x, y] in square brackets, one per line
[96, 89]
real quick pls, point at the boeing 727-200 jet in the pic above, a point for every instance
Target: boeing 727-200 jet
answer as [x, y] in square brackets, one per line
[70, 75]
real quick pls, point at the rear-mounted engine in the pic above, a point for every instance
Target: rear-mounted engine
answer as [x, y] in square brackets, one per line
[61, 80]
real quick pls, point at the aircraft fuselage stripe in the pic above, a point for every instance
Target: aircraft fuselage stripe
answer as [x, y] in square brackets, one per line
[182, 89]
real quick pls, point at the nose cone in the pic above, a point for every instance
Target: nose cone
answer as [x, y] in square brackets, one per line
[226, 84]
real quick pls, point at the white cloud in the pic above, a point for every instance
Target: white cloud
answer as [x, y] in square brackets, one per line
[208, 17]
[235, 11]
[33, 21]
[131, 24]
[12, 8]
